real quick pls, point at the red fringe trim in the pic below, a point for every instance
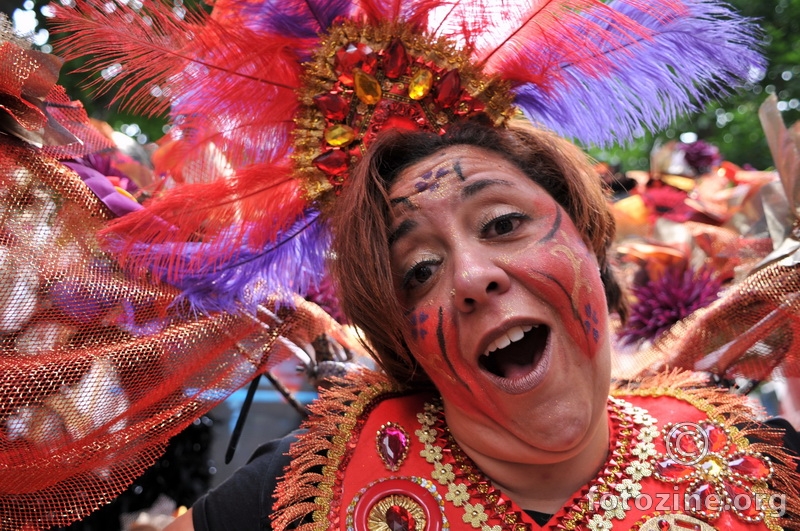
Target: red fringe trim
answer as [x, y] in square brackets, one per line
[304, 491]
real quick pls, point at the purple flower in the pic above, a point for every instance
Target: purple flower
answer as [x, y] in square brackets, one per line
[662, 302]
[701, 156]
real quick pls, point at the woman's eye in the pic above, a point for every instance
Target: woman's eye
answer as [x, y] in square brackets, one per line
[419, 274]
[502, 224]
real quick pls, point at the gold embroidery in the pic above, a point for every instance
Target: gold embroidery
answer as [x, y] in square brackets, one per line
[726, 409]
[334, 420]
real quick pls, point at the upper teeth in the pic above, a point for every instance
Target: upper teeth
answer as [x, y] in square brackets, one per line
[506, 338]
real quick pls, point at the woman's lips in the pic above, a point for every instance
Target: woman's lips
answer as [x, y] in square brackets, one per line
[520, 365]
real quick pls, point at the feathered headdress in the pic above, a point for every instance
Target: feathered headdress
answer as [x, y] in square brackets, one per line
[271, 104]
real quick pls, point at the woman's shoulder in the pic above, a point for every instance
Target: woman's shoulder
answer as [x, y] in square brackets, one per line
[680, 399]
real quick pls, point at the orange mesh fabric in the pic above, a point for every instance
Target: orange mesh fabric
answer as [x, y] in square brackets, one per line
[34, 108]
[98, 371]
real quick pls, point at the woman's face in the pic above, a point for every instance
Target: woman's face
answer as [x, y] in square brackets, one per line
[504, 305]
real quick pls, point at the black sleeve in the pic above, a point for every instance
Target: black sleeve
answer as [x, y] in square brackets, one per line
[244, 501]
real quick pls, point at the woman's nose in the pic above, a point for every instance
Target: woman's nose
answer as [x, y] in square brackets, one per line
[476, 279]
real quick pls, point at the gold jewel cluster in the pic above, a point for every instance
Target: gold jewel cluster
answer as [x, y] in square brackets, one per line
[367, 78]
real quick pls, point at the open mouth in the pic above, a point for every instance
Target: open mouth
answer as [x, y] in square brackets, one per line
[516, 355]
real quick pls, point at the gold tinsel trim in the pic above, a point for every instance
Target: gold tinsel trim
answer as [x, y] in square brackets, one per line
[304, 491]
[737, 415]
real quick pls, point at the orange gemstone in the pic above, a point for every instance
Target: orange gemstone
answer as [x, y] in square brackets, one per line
[339, 135]
[420, 84]
[717, 438]
[749, 466]
[712, 466]
[368, 89]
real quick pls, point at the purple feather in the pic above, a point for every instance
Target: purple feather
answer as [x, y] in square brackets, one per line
[688, 60]
[248, 276]
[302, 19]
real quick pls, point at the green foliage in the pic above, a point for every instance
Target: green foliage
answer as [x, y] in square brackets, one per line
[732, 124]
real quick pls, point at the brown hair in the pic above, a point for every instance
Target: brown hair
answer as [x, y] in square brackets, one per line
[360, 223]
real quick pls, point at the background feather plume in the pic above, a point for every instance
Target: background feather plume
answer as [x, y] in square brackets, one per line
[603, 73]
[249, 273]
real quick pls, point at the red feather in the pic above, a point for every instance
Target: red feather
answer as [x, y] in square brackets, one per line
[505, 37]
[151, 56]
[230, 163]
[264, 195]
[415, 13]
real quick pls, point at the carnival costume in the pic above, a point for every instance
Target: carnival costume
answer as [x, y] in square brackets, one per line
[390, 463]
[123, 323]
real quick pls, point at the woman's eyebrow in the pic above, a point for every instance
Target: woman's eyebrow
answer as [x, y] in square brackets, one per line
[476, 186]
[401, 230]
[403, 200]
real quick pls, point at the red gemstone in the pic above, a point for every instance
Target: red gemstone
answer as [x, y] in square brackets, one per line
[717, 438]
[704, 498]
[688, 445]
[742, 500]
[674, 471]
[395, 60]
[401, 122]
[354, 56]
[448, 89]
[392, 444]
[663, 525]
[399, 519]
[749, 466]
[333, 106]
[333, 162]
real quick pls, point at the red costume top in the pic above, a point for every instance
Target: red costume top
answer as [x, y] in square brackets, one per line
[678, 459]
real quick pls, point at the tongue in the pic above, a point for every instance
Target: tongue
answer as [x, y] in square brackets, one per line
[515, 365]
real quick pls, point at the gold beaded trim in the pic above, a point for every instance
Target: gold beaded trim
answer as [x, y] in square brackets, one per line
[466, 479]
